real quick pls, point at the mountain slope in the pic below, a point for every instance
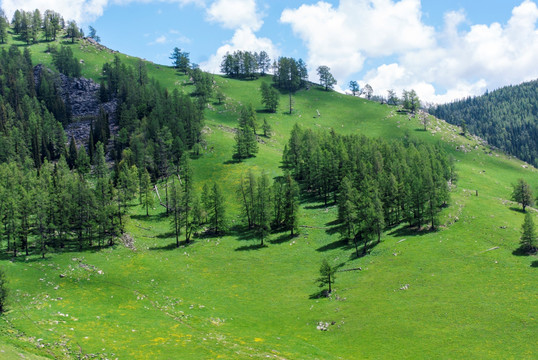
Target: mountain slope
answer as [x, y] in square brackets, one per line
[507, 118]
[468, 295]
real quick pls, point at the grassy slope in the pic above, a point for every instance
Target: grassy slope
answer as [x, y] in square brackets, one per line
[223, 297]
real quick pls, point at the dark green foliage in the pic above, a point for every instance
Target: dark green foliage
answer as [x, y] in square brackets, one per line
[354, 87]
[270, 97]
[93, 34]
[528, 234]
[326, 275]
[4, 27]
[245, 137]
[522, 194]
[65, 61]
[3, 292]
[73, 31]
[245, 64]
[180, 60]
[216, 209]
[326, 79]
[410, 100]
[266, 128]
[158, 125]
[505, 118]
[176, 209]
[374, 182]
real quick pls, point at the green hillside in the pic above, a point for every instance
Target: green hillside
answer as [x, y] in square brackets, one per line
[460, 292]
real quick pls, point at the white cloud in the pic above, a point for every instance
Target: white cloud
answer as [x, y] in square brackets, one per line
[243, 39]
[441, 66]
[343, 37]
[161, 39]
[83, 11]
[233, 14]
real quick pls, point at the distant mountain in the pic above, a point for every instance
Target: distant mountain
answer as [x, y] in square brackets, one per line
[507, 118]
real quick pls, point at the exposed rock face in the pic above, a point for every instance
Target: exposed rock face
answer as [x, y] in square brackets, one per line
[81, 96]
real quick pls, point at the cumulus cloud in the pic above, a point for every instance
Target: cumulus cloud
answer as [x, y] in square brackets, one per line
[243, 39]
[82, 11]
[245, 18]
[468, 62]
[343, 37]
[440, 65]
[233, 14]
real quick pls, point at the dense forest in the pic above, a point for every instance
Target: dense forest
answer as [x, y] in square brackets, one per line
[505, 118]
[375, 183]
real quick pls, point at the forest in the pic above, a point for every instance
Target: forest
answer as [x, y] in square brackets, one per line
[505, 118]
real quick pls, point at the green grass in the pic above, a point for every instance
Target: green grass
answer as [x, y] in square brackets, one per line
[224, 297]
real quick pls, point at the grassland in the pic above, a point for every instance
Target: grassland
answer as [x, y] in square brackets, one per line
[224, 297]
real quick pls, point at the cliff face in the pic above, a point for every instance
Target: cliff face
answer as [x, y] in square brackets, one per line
[81, 96]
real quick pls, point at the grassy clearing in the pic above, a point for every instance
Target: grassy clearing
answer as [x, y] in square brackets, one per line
[224, 297]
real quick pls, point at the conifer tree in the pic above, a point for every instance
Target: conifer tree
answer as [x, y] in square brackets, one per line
[327, 277]
[176, 208]
[146, 196]
[522, 194]
[528, 234]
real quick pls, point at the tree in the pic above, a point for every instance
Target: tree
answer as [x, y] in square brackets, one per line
[354, 87]
[528, 234]
[146, 196]
[263, 207]
[3, 291]
[93, 34]
[270, 97]
[266, 127]
[326, 79]
[73, 31]
[411, 101]
[392, 99]
[367, 89]
[175, 208]
[264, 62]
[291, 204]
[4, 26]
[217, 212]
[220, 96]
[463, 125]
[522, 194]
[180, 60]
[326, 272]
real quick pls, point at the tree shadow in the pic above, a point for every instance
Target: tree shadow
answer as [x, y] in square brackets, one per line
[339, 244]
[322, 294]
[534, 264]
[283, 238]
[251, 247]
[143, 217]
[171, 246]
[166, 235]
[410, 231]
[517, 209]
[524, 251]
[232, 162]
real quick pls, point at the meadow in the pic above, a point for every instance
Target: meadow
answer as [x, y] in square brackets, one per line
[463, 291]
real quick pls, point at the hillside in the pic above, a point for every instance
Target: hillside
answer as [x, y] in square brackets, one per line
[506, 118]
[463, 291]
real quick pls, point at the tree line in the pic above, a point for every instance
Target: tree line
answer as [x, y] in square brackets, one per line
[31, 25]
[505, 118]
[375, 183]
[245, 64]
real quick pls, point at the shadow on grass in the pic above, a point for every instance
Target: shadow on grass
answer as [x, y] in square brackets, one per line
[410, 231]
[232, 162]
[166, 235]
[524, 251]
[534, 264]
[171, 246]
[517, 209]
[339, 244]
[322, 294]
[251, 247]
[283, 238]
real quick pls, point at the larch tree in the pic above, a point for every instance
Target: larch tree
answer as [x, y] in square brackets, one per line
[522, 194]
[326, 275]
[326, 79]
[528, 234]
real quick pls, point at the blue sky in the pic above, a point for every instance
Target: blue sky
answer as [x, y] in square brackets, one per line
[443, 49]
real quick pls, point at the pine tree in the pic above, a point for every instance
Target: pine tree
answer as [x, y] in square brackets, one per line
[528, 234]
[146, 196]
[217, 211]
[522, 194]
[291, 204]
[326, 272]
[176, 208]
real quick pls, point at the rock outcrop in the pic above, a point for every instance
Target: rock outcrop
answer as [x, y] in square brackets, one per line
[81, 96]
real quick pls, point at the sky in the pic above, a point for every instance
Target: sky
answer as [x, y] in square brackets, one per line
[443, 49]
